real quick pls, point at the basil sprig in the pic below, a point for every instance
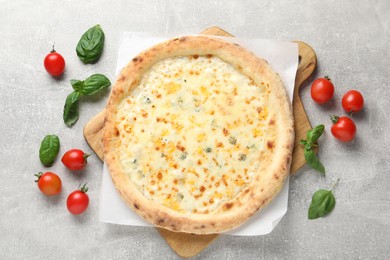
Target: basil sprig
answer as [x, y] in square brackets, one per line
[90, 86]
[90, 46]
[322, 203]
[49, 149]
[310, 143]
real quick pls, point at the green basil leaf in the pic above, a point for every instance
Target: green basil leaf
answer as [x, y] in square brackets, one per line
[312, 161]
[90, 46]
[71, 108]
[94, 84]
[322, 203]
[49, 149]
[313, 135]
[77, 84]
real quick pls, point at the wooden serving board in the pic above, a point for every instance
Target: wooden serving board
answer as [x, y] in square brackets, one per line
[188, 245]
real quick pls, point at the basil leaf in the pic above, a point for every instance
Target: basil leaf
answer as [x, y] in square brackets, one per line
[77, 84]
[49, 149]
[322, 203]
[71, 108]
[94, 84]
[313, 135]
[90, 46]
[312, 161]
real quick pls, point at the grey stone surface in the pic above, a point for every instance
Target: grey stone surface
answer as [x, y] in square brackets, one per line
[351, 39]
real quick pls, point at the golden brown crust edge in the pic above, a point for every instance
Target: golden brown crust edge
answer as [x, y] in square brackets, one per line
[276, 161]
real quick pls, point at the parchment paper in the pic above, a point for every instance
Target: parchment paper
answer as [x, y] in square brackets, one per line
[282, 57]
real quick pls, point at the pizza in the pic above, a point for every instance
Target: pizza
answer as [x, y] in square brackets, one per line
[198, 134]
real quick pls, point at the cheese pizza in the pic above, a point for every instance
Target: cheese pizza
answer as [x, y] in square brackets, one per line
[198, 134]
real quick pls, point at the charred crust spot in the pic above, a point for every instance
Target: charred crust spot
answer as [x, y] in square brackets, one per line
[209, 56]
[276, 176]
[116, 131]
[160, 220]
[202, 226]
[195, 56]
[138, 59]
[270, 144]
[136, 205]
[182, 39]
[173, 226]
[228, 206]
[121, 78]
[262, 189]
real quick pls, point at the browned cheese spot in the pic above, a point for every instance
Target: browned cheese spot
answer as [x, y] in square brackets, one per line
[181, 148]
[225, 132]
[271, 122]
[195, 56]
[270, 144]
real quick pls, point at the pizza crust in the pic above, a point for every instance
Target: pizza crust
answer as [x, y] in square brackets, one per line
[276, 158]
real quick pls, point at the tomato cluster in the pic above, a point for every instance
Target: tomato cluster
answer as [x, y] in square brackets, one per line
[50, 183]
[343, 128]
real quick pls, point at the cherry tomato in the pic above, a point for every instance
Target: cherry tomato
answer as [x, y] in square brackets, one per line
[49, 183]
[322, 90]
[78, 200]
[343, 128]
[54, 63]
[353, 101]
[75, 159]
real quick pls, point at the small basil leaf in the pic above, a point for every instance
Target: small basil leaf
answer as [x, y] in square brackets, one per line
[322, 203]
[77, 84]
[313, 135]
[94, 84]
[71, 108]
[90, 46]
[312, 161]
[48, 151]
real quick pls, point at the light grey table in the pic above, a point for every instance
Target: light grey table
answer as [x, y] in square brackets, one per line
[351, 39]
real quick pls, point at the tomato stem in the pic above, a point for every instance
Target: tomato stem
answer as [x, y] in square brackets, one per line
[38, 175]
[327, 77]
[52, 50]
[334, 119]
[86, 155]
[84, 188]
[335, 184]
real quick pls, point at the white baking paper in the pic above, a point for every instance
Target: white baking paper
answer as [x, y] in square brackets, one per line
[282, 57]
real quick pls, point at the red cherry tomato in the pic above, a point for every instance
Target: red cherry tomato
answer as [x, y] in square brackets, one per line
[78, 201]
[343, 128]
[352, 101]
[54, 63]
[322, 90]
[75, 159]
[49, 183]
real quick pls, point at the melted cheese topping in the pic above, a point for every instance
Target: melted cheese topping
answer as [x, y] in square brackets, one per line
[192, 132]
